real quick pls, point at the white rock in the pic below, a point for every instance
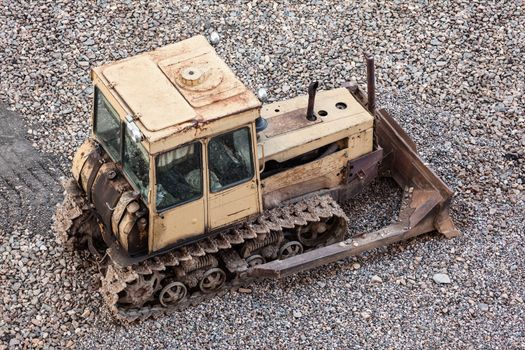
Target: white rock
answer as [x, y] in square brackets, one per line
[376, 279]
[365, 315]
[441, 278]
[214, 38]
[262, 94]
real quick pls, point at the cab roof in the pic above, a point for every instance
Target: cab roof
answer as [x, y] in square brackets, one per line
[176, 87]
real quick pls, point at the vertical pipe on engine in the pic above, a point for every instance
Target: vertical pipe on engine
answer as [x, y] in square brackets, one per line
[312, 89]
[371, 82]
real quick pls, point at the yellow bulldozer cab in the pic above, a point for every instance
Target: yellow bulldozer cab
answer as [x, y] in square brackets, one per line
[182, 126]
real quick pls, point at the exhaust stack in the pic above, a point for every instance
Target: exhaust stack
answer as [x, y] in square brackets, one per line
[312, 90]
[371, 83]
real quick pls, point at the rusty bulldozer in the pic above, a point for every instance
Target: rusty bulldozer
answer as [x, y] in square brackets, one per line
[190, 186]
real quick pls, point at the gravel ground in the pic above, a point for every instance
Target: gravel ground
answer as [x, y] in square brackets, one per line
[451, 72]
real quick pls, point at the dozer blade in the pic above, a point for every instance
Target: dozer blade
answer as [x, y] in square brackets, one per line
[424, 207]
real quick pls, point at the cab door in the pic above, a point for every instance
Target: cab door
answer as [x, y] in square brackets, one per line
[179, 201]
[232, 178]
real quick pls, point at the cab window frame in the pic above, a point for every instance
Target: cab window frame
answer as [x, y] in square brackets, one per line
[252, 160]
[119, 154]
[201, 162]
[121, 151]
[126, 169]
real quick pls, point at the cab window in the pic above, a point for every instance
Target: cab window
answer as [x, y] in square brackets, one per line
[230, 159]
[179, 175]
[107, 125]
[136, 164]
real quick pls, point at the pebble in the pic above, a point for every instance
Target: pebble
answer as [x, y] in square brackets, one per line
[376, 279]
[214, 38]
[365, 315]
[483, 307]
[86, 313]
[441, 278]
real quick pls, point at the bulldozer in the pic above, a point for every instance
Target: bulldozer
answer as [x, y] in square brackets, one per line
[191, 185]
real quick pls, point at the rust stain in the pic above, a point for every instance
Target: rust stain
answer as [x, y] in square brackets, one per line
[287, 122]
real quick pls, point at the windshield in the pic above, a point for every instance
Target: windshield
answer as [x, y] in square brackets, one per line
[136, 164]
[107, 125]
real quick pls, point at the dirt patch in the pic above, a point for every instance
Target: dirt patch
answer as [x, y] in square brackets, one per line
[29, 180]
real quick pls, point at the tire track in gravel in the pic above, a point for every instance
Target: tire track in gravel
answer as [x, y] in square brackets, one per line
[29, 181]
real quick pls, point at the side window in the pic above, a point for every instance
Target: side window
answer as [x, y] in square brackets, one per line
[179, 175]
[230, 159]
[107, 125]
[136, 164]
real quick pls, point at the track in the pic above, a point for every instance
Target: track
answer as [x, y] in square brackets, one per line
[29, 181]
[199, 271]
